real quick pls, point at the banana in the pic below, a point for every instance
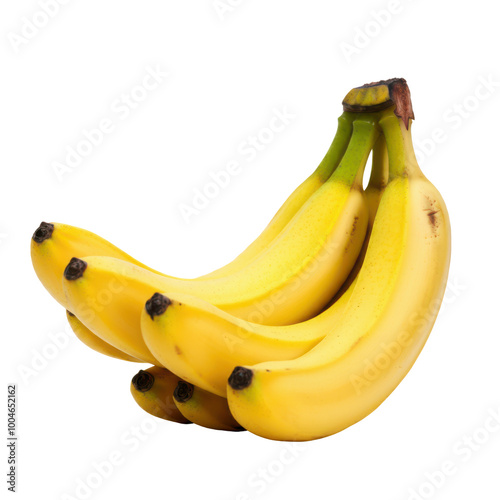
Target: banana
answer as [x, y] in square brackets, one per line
[296, 200]
[385, 325]
[54, 244]
[94, 342]
[204, 408]
[202, 344]
[153, 391]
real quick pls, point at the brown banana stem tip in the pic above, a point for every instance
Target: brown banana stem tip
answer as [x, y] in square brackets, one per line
[44, 232]
[143, 381]
[395, 91]
[183, 392]
[241, 378]
[75, 269]
[157, 305]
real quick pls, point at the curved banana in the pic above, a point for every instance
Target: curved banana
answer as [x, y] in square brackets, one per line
[153, 391]
[202, 344]
[95, 342]
[296, 200]
[54, 244]
[204, 408]
[386, 322]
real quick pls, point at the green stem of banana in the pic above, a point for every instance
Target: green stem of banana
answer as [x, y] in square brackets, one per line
[402, 160]
[365, 133]
[338, 147]
[380, 164]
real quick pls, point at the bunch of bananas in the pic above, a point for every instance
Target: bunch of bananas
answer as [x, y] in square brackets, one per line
[311, 327]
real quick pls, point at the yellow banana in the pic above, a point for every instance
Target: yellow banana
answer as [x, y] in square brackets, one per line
[386, 323]
[296, 200]
[153, 391]
[54, 244]
[95, 342]
[202, 344]
[204, 408]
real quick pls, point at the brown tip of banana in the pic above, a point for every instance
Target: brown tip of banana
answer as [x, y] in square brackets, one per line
[377, 96]
[241, 378]
[44, 232]
[157, 305]
[75, 269]
[183, 392]
[143, 381]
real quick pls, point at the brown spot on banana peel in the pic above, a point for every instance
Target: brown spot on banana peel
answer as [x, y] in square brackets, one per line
[431, 213]
[354, 224]
[399, 96]
[177, 350]
[351, 235]
[433, 218]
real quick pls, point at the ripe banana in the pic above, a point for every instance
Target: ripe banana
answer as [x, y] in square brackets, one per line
[204, 408]
[54, 244]
[202, 344]
[153, 391]
[296, 200]
[386, 323]
[95, 342]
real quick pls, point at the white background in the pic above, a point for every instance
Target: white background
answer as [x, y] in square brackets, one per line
[227, 73]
